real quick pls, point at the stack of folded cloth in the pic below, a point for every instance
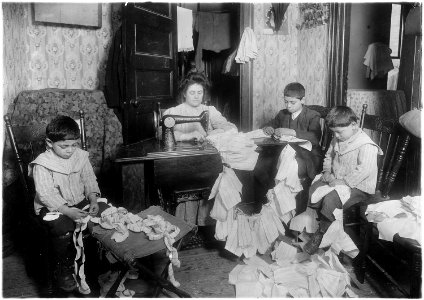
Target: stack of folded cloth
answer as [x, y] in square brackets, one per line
[236, 148]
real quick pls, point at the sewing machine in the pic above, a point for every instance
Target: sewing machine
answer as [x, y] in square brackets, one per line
[169, 121]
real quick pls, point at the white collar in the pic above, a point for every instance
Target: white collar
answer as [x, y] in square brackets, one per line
[294, 115]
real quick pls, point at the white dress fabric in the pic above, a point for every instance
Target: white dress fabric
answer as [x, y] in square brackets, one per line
[248, 48]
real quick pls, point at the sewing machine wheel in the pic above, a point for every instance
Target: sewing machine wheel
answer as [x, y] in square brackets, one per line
[169, 122]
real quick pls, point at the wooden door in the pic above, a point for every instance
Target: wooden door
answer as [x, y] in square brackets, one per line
[150, 54]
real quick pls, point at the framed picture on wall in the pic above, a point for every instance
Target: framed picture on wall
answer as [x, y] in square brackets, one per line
[76, 14]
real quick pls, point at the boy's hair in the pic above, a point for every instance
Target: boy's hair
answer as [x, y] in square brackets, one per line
[340, 116]
[294, 89]
[62, 128]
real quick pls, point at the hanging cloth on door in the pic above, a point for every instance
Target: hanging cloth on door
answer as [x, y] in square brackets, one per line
[185, 29]
[378, 60]
[214, 34]
[248, 48]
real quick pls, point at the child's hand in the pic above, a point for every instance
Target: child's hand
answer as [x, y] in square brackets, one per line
[284, 131]
[94, 209]
[268, 130]
[335, 182]
[327, 177]
[75, 213]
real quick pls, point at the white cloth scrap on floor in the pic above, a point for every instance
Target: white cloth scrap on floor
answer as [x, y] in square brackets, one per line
[401, 217]
[337, 238]
[319, 275]
[284, 251]
[248, 48]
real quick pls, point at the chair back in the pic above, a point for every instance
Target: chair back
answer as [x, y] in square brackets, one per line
[27, 142]
[393, 140]
[326, 134]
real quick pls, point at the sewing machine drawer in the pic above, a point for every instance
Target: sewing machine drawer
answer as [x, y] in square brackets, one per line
[185, 173]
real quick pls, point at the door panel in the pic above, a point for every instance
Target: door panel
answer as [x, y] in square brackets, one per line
[154, 83]
[150, 42]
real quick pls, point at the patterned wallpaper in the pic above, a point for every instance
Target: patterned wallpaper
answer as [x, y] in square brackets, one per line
[299, 56]
[312, 63]
[37, 57]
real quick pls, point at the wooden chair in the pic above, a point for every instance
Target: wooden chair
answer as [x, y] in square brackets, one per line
[326, 135]
[27, 143]
[393, 140]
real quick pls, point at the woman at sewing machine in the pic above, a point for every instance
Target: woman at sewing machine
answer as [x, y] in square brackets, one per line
[193, 91]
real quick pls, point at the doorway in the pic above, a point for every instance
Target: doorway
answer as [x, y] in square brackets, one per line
[225, 83]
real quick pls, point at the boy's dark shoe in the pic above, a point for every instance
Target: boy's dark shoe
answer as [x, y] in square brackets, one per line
[313, 244]
[64, 276]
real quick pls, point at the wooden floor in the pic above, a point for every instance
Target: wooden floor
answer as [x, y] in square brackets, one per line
[203, 274]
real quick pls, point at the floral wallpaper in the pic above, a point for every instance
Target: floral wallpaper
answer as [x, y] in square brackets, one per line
[312, 63]
[275, 66]
[299, 56]
[44, 56]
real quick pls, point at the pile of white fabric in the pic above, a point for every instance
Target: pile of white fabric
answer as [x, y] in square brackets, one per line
[237, 150]
[292, 274]
[244, 234]
[155, 227]
[397, 216]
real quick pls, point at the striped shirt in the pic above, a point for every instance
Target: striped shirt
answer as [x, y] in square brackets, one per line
[354, 161]
[61, 181]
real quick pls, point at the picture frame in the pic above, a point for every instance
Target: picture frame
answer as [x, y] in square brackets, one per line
[70, 14]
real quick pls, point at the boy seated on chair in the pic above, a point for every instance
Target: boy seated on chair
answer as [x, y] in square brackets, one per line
[350, 164]
[299, 121]
[64, 182]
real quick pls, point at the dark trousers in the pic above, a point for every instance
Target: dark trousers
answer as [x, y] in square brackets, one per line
[309, 164]
[61, 230]
[64, 224]
[331, 201]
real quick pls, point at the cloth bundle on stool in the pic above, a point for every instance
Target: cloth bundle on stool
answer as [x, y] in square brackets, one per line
[138, 245]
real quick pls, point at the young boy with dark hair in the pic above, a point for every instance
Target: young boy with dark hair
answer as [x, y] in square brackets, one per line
[351, 161]
[299, 121]
[64, 182]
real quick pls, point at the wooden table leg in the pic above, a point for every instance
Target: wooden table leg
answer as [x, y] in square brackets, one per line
[415, 289]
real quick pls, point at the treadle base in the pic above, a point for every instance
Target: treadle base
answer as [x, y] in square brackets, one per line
[194, 241]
